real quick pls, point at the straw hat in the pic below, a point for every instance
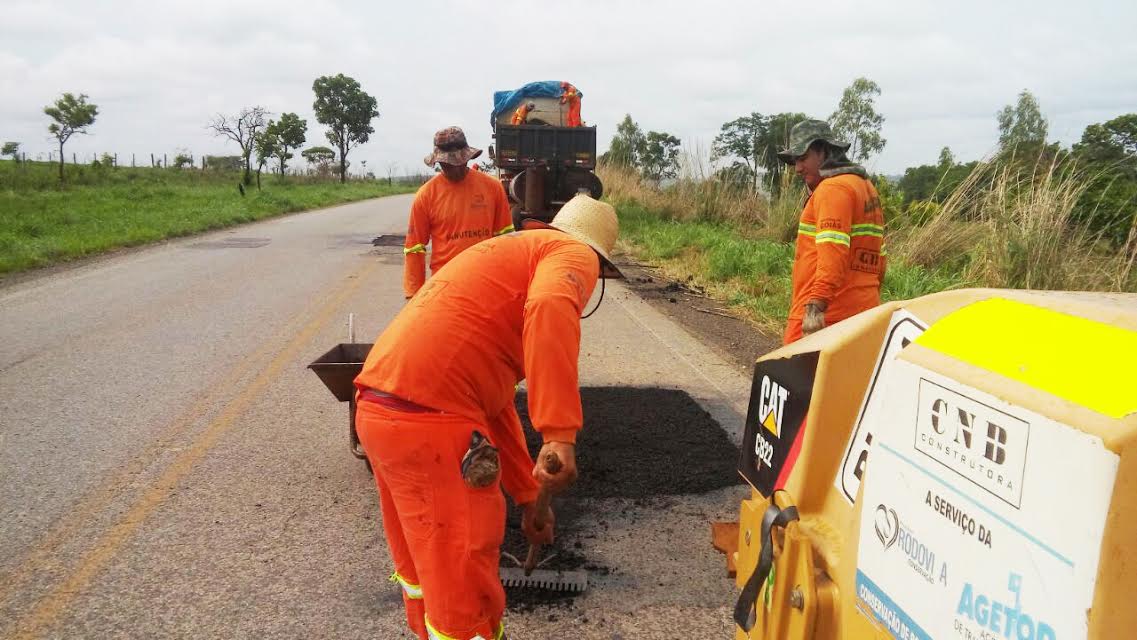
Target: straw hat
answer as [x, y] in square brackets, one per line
[592, 222]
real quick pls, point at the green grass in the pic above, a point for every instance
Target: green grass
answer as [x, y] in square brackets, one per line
[102, 209]
[750, 274]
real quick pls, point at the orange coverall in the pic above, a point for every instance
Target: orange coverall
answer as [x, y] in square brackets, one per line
[504, 310]
[571, 97]
[840, 256]
[451, 217]
[521, 115]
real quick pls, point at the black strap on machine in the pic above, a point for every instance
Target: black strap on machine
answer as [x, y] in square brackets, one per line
[745, 614]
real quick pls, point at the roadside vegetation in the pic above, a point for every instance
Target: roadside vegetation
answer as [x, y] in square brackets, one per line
[102, 208]
[54, 211]
[1033, 216]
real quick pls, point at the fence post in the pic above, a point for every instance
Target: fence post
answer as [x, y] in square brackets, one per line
[151, 160]
[132, 161]
[116, 161]
[164, 162]
[203, 163]
[73, 160]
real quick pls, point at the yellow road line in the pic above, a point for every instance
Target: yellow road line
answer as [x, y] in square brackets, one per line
[96, 500]
[49, 608]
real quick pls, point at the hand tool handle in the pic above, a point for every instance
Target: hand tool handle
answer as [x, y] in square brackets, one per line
[553, 465]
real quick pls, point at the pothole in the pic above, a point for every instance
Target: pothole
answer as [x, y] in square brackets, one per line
[638, 444]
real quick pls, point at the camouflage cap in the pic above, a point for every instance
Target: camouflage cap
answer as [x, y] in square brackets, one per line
[806, 133]
[450, 147]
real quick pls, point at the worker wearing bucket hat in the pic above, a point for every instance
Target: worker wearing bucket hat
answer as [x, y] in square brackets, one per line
[453, 211]
[839, 259]
[439, 383]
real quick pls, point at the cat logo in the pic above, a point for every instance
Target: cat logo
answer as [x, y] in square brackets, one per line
[771, 405]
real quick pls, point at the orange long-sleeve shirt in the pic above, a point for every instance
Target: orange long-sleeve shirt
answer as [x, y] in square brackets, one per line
[520, 115]
[839, 256]
[451, 217]
[504, 310]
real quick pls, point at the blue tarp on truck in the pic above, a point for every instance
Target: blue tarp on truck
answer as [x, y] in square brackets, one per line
[505, 101]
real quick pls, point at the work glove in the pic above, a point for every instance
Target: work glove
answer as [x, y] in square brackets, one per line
[560, 481]
[814, 319]
[532, 534]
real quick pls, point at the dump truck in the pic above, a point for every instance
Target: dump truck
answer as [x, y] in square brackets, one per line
[962, 465]
[542, 164]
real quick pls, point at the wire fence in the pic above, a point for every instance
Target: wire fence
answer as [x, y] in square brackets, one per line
[187, 161]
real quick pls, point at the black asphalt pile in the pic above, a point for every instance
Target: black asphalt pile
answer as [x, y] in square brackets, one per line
[638, 445]
[643, 442]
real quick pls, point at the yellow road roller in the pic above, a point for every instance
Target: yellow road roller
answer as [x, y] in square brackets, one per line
[962, 465]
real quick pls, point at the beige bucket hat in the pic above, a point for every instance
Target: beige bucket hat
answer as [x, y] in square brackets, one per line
[592, 222]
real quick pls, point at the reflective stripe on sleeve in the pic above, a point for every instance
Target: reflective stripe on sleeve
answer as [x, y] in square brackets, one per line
[505, 230]
[418, 248]
[874, 230]
[835, 237]
[807, 229]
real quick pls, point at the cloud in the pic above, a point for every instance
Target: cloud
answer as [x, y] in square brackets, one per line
[158, 71]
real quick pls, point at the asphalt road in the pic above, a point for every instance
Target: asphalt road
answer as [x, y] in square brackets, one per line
[169, 468]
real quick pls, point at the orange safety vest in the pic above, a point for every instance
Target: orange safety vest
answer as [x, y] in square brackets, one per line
[451, 217]
[840, 256]
[521, 115]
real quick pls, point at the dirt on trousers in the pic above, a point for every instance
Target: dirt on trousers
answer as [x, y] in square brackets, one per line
[637, 444]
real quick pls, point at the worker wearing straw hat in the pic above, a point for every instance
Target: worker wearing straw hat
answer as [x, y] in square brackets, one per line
[437, 390]
[453, 211]
[839, 259]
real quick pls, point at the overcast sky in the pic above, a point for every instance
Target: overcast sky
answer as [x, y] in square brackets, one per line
[158, 70]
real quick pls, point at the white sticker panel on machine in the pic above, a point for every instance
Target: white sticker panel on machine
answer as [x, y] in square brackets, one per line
[975, 523]
[903, 328]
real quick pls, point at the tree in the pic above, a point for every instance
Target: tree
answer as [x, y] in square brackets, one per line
[1022, 124]
[267, 146]
[1112, 141]
[627, 146]
[947, 160]
[242, 129]
[857, 121]
[11, 149]
[778, 127]
[71, 115]
[660, 157]
[321, 157]
[347, 111]
[289, 133]
[740, 138]
[1107, 156]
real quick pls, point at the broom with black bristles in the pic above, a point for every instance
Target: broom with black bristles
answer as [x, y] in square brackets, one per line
[526, 575]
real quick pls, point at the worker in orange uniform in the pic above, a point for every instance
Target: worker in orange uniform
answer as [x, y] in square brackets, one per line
[521, 116]
[440, 380]
[839, 262]
[453, 211]
[571, 97]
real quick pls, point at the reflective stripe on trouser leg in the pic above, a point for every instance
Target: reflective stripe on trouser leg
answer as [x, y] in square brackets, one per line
[413, 591]
[435, 634]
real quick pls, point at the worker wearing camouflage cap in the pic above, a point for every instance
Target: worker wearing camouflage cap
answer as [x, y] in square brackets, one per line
[453, 211]
[839, 260]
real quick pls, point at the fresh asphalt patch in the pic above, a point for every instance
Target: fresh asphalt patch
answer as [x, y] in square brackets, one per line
[638, 446]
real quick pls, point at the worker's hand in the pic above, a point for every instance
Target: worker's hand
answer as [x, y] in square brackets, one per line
[814, 319]
[529, 527]
[557, 482]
